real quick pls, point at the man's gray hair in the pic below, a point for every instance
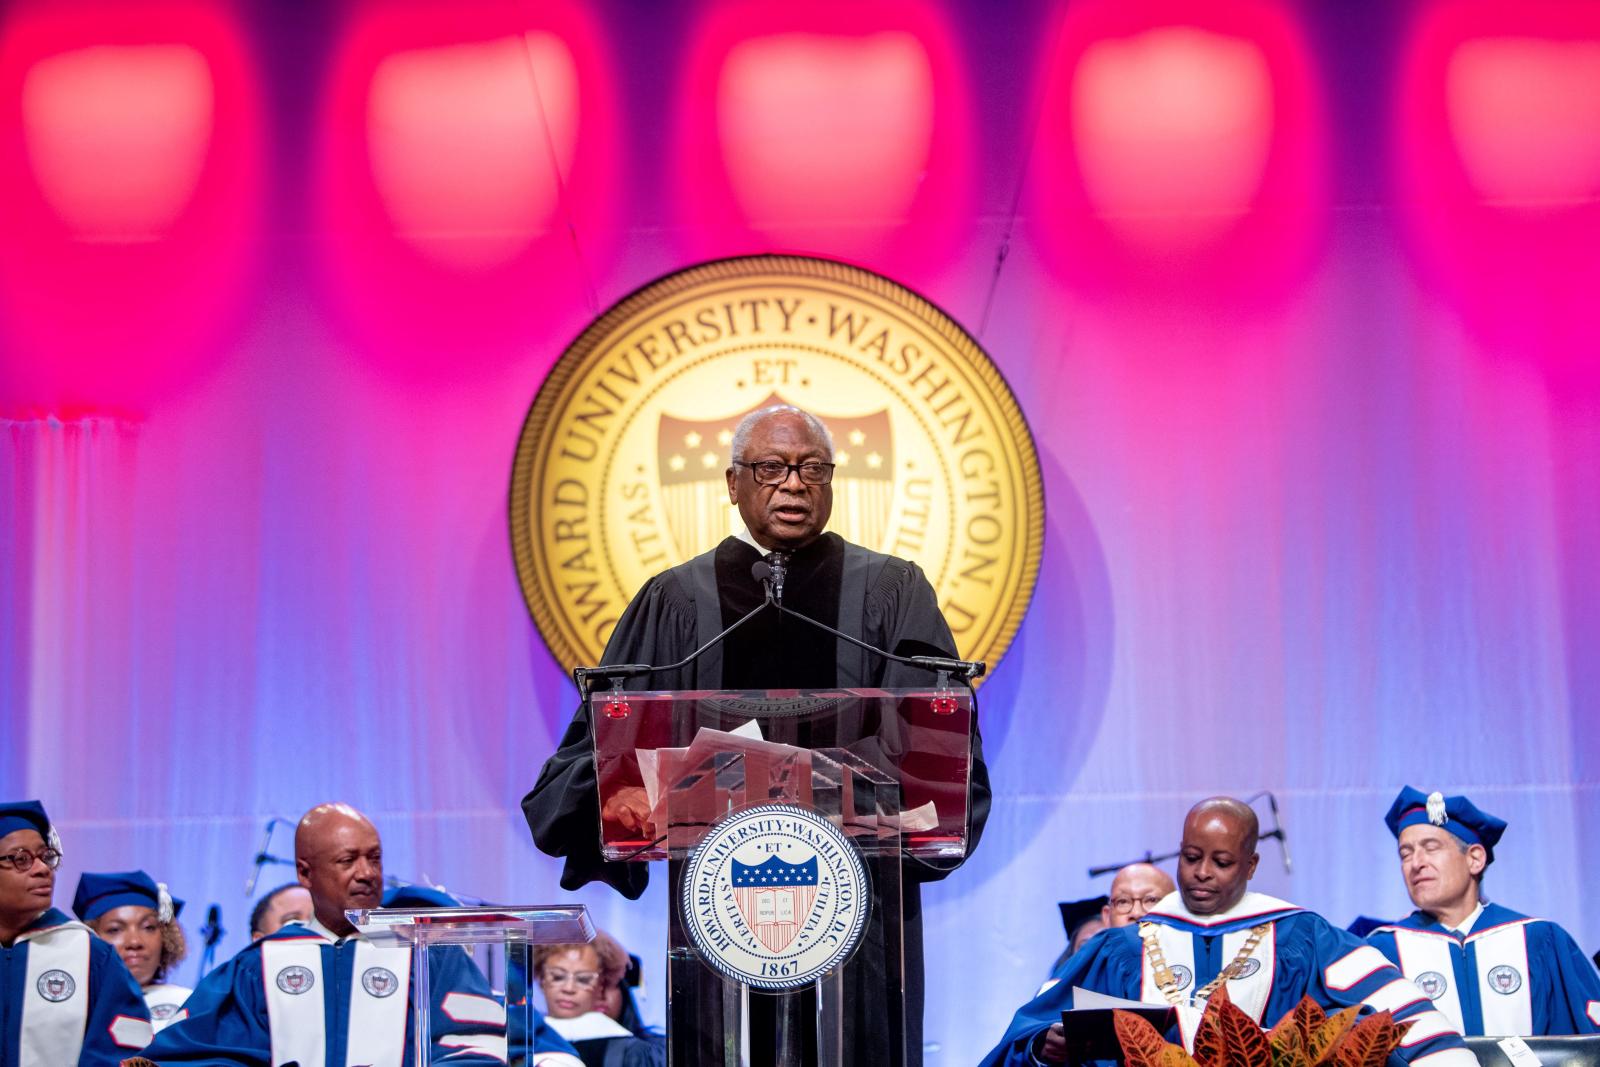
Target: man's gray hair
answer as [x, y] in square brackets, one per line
[748, 424]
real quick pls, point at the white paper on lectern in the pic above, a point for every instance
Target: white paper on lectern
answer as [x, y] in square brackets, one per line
[924, 817]
[748, 738]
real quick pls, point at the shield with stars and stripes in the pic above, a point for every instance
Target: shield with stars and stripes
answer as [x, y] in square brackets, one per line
[775, 898]
[691, 455]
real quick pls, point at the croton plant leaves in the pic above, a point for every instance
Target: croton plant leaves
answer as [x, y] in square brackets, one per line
[1143, 1045]
[1227, 1037]
[1369, 1042]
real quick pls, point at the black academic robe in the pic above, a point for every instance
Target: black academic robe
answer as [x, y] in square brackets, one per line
[881, 599]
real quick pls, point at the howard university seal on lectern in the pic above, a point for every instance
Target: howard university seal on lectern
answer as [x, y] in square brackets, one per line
[775, 897]
[619, 469]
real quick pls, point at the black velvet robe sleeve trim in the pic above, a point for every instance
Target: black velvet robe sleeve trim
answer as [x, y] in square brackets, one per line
[903, 616]
[563, 808]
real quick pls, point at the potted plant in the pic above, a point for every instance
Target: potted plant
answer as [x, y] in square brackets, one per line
[1227, 1037]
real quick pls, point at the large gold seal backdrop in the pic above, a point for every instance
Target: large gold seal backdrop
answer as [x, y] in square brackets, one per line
[619, 468]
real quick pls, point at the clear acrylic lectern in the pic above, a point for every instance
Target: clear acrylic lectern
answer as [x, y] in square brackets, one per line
[889, 769]
[429, 930]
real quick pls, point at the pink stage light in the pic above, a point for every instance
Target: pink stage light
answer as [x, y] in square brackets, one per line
[831, 128]
[1497, 150]
[1142, 103]
[462, 154]
[462, 150]
[130, 189]
[801, 146]
[1524, 113]
[1179, 146]
[118, 135]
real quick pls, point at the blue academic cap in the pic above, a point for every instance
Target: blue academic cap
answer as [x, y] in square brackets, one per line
[418, 896]
[100, 893]
[1458, 815]
[23, 815]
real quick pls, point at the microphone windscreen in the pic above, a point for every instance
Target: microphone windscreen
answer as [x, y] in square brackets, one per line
[761, 570]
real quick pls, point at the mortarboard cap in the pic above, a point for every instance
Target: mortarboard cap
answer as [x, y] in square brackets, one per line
[23, 815]
[1074, 913]
[1458, 815]
[100, 893]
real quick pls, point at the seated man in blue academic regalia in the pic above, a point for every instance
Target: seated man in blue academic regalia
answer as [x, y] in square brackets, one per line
[1489, 969]
[1213, 930]
[320, 993]
[65, 997]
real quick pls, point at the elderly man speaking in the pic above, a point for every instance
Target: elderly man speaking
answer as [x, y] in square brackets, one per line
[780, 477]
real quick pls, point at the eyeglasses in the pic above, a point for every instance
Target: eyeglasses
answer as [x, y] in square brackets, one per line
[22, 859]
[1124, 905]
[771, 472]
[581, 979]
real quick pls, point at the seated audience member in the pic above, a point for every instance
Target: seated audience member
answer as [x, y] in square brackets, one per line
[1214, 930]
[618, 1002]
[1136, 889]
[138, 917]
[1081, 920]
[65, 996]
[1489, 969]
[574, 979]
[319, 992]
[286, 904]
[550, 1049]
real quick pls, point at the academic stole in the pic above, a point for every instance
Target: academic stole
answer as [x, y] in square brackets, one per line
[1248, 988]
[1506, 1008]
[1441, 958]
[55, 996]
[375, 1025]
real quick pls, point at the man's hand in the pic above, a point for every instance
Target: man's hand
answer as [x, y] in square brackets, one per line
[1052, 1046]
[629, 807]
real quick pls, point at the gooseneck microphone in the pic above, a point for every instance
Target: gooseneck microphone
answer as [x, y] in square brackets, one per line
[212, 931]
[771, 573]
[260, 858]
[263, 856]
[761, 571]
[211, 935]
[1280, 833]
[778, 565]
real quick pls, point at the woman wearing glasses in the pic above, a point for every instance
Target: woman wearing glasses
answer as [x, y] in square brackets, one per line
[138, 917]
[575, 979]
[62, 989]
